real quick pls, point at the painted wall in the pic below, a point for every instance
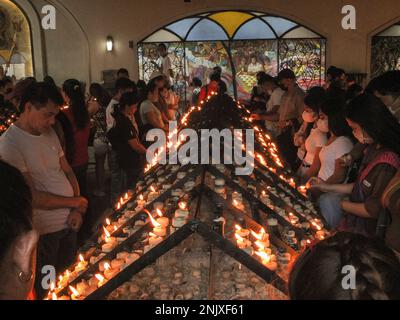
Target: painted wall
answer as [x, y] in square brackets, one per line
[77, 47]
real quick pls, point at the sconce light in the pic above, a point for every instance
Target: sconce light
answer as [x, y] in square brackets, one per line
[110, 44]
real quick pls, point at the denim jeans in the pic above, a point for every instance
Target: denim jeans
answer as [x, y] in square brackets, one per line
[116, 177]
[56, 249]
[330, 206]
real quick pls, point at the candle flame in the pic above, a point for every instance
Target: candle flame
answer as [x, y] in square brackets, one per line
[115, 228]
[81, 258]
[239, 238]
[264, 256]
[259, 236]
[152, 189]
[107, 266]
[108, 222]
[141, 197]
[74, 291]
[118, 206]
[160, 214]
[67, 273]
[126, 196]
[260, 245]
[106, 233]
[54, 296]
[99, 277]
[153, 221]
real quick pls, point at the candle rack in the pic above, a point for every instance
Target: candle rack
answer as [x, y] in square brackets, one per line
[202, 181]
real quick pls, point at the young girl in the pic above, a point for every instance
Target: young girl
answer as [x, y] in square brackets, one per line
[309, 138]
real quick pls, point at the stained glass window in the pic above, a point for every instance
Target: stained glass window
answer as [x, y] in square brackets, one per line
[254, 29]
[280, 25]
[206, 30]
[150, 61]
[250, 57]
[163, 36]
[386, 51]
[241, 43]
[304, 57]
[182, 27]
[231, 20]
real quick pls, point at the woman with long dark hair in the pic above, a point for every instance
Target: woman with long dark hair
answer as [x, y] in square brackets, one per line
[309, 138]
[78, 117]
[318, 272]
[97, 104]
[124, 138]
[375, 126]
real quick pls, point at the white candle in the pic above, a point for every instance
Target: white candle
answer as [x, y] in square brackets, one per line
[110, 273]
[160, 231]
[163, 221]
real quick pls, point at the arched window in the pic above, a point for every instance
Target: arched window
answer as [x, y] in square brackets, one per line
[15, 41]
[242, 43]
[386, 51]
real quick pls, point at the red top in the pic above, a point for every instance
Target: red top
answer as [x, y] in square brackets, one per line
[206, 91]
[81, 142]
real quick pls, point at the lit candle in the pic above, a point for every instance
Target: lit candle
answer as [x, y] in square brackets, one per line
[75, 294]
[100, 280]
[82, 265]
[110, 273]
[244, 233]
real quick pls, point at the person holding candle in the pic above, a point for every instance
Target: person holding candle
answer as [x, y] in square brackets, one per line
[17, 237]
[318, 273]
[124, 138]
[34, 148]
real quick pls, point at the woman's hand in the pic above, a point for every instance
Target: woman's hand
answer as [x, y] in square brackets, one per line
[318, 184]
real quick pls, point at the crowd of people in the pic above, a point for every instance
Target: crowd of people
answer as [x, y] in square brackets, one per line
[341, 140]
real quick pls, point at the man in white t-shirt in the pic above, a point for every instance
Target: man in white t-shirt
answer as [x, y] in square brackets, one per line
[32, 146]
[165, 64]
[271, 117]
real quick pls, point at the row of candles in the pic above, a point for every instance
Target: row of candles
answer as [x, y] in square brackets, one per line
[109, 269]
[108, 244]
[184, 122]
[259, 247]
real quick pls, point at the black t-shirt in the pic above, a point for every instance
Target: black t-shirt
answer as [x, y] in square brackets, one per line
[119, 136]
